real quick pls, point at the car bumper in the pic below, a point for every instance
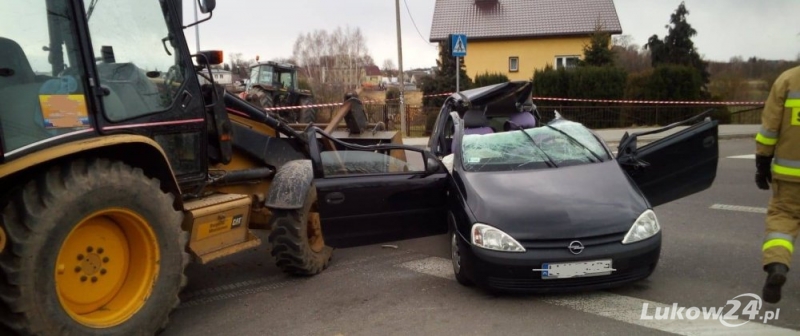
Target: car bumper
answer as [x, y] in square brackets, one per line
[513, 272]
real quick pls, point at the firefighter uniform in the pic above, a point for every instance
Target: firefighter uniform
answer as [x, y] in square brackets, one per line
[778, 163]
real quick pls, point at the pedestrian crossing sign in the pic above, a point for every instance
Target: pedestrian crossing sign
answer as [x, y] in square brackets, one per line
[458, 45]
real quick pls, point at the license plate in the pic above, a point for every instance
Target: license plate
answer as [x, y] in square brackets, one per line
[576, 269]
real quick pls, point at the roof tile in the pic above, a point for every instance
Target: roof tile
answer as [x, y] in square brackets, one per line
[482, 19]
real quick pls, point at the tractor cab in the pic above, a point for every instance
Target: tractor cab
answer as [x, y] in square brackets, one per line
[276, 75]
[274, 84]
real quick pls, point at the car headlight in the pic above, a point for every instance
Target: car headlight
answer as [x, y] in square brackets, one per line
[644, 227]
[490, 238]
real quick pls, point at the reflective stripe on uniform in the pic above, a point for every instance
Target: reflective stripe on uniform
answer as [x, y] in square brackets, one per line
[776, 239]
[778, 243]
[786, 167]
[767, 137]
[792, 99]
[778, 235]
[795, 102]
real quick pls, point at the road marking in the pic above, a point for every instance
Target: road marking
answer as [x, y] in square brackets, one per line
[738, 208]
[746, 156]
[623, 308]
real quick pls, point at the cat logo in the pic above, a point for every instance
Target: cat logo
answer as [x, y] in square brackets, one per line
[237, 221]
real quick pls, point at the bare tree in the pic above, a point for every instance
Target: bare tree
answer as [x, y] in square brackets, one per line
[334, 62]
[389, 69]
[629, 55]
[240, 65]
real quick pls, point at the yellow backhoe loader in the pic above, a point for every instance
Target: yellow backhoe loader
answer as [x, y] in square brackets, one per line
[118, 167]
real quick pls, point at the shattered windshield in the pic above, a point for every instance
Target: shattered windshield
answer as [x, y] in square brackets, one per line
[558, 144]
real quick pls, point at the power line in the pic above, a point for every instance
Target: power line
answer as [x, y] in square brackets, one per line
[415, 24]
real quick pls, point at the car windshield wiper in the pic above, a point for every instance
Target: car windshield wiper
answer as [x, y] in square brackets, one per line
[549, 159]
[578, 142]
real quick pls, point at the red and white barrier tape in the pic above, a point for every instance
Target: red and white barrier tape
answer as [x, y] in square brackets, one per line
[280, 108]
[612, 101]
[657, 102]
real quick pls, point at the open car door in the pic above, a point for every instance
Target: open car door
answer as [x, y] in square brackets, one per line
[378, 193]
[675, 166]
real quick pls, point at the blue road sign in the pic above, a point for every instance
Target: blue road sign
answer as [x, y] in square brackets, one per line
[459, 44]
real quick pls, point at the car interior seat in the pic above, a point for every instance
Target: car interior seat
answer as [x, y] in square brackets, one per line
[520, 120]
[525, 117]
[475, 122]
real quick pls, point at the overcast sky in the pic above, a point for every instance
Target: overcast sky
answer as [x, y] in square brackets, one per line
[725, 28]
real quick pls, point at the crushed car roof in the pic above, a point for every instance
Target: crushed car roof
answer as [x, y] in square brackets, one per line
[499, 97]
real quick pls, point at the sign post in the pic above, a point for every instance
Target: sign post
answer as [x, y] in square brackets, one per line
[458, 48]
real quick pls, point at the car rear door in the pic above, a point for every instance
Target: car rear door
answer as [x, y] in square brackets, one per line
[675, 166]
[362, 202]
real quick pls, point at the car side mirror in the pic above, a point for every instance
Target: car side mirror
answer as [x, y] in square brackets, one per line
[432, 166]
[206, 6]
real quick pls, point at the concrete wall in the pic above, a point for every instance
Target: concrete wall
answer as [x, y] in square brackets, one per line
[493, 56]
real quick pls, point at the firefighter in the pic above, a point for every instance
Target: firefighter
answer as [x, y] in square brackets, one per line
[778, 164]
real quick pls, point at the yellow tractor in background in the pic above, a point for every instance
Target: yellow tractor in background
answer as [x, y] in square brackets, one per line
[118, 168]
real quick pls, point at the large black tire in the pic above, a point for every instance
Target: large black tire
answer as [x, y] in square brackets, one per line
[309, 114]
[291, 247]
[261, 98]
[42, 215]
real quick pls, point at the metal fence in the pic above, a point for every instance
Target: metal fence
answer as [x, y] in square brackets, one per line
[420, 119]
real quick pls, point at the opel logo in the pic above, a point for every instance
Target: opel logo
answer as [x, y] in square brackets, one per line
[575, 247]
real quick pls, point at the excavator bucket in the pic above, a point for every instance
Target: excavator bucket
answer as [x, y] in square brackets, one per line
[356, 128]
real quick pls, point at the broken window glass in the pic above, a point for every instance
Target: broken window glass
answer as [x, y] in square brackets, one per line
[542, 148]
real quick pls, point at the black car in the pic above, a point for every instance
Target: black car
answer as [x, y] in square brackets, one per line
[547, 207]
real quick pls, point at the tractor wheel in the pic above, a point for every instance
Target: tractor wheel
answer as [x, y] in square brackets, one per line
[95, 247]
[260, 97]
[309, 114]
[297, 242]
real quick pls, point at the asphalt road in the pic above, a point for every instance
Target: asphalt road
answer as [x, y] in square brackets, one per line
[710, 254]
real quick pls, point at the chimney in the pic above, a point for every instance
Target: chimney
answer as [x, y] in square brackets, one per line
[486, 4]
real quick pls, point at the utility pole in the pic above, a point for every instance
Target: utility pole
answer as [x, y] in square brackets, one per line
[400, 75]
[196, 28]
[458, 74]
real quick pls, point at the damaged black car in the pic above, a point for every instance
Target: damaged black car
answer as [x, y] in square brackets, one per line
[548, 207]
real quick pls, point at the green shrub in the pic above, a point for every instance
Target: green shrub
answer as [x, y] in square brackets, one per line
[487, 78]
[588, 82]
[666, 82]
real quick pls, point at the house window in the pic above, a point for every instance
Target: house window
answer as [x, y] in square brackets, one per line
[513, 64]
[566, 62]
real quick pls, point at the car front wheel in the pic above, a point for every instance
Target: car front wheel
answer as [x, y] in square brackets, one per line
[457, 258]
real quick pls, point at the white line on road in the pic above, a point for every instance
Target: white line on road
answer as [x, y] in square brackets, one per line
[746, 156]
[624, 308]
[738, 208]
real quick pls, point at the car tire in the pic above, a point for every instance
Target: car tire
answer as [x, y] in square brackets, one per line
[456, 256]
[298, 244]
[101, 212]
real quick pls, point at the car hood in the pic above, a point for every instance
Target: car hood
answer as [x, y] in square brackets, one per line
[562, 203]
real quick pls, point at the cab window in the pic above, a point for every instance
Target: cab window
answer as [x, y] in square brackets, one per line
[130, 40]
[266, 75]
[41, 75]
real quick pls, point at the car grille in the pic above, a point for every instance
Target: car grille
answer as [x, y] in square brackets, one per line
[538, 283]
[563, 243]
